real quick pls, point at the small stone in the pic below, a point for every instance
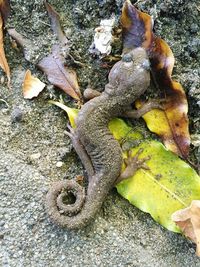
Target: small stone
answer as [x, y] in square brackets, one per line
[59, 164]
[194, 28]
[16, 115]
[2, 80]
[63, 151]
[164, 7]
[1, 235]
[35, 156]
[63, 257]
[2, 223]
[195, 140]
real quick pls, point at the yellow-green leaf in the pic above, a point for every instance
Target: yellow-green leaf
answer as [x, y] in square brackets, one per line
[71, 112]
[121, 130]
[169, 185]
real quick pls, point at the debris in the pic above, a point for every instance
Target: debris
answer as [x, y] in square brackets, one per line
[103, 37]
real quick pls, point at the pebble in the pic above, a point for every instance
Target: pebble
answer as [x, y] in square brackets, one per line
[16, 115]
[59, 164]
[35, 156]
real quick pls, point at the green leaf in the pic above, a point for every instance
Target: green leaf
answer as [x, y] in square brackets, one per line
[170, 184]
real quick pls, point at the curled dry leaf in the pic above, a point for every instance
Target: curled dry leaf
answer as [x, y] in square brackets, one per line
[59, 75]
[176, 106]
[188, 220]
[32, 86]
[154, 120]
[3, 61]
[53, 65]
[137, 31]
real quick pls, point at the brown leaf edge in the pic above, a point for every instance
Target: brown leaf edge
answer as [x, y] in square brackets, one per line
[3, 61]
[137, 31]
[188, 220]
[55, 24]
[5, 9]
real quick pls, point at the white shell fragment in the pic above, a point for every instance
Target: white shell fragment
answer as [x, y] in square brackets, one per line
[195, 140]
[103, 37]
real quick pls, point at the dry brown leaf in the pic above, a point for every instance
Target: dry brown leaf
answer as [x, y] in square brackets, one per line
[32, 86]
[3, 61]
[174, 130]
[188, 220]
[136, 27]
[58, 74]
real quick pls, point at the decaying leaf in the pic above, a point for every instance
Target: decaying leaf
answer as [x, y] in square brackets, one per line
[3, 61]
[137, 31]
[54, 64]
[158, 122]
[176, 106]
[32, 86]
[58, 74]
[169, 185]
[136, 27]
[188, 220]
[4, 9]
[55, 24]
